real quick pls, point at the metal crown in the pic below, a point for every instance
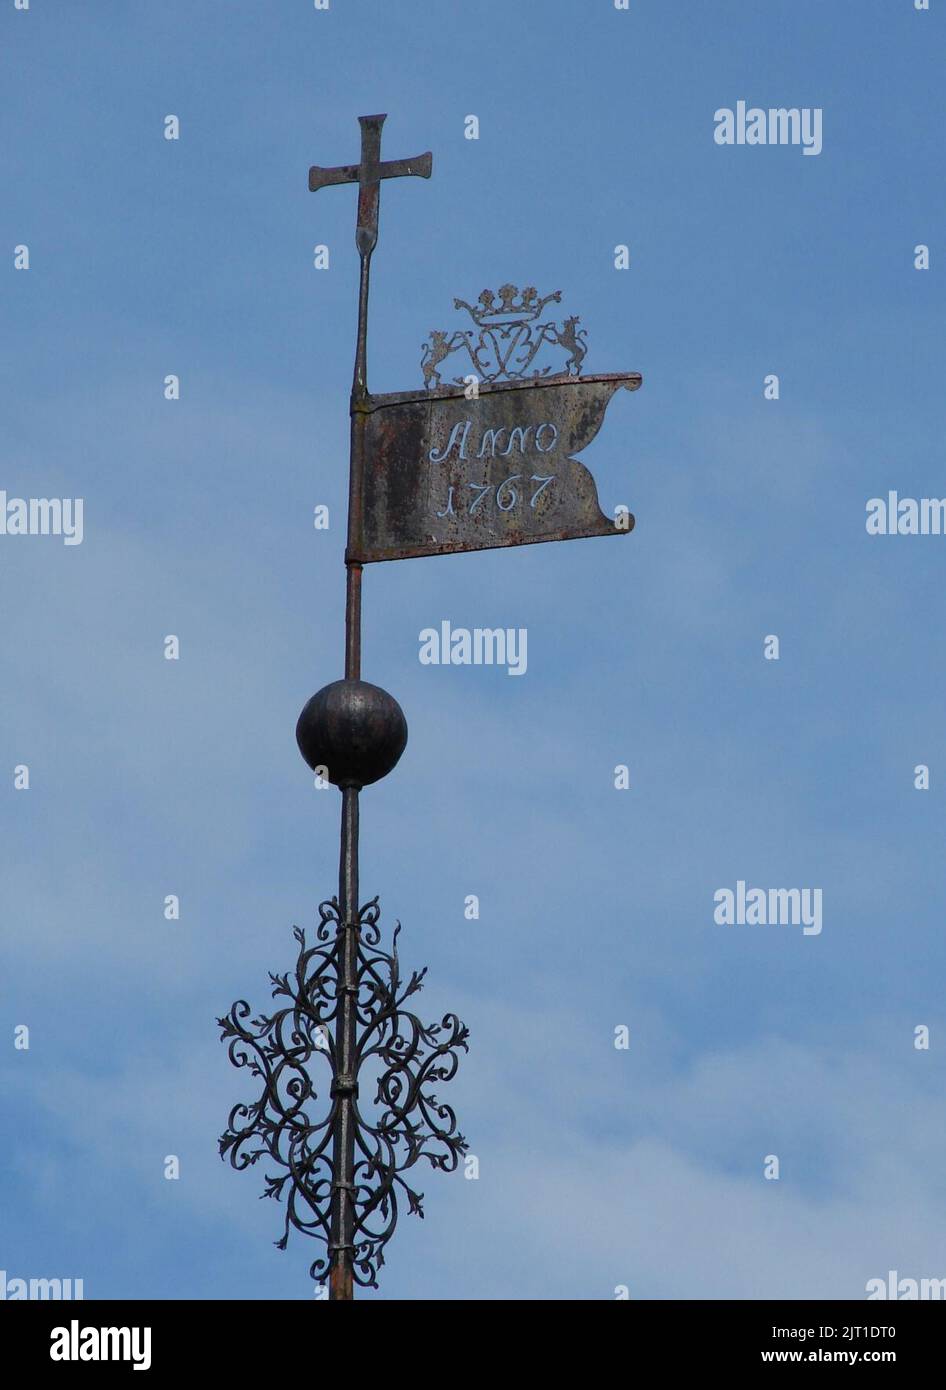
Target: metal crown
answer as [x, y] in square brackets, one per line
[528, 307]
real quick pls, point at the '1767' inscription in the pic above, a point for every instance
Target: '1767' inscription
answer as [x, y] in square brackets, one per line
[444, 473]
[517, 442]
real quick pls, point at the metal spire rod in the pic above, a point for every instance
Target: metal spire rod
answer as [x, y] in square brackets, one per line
[344, 1172]
[368, 172]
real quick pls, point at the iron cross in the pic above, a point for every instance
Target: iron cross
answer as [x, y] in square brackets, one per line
[368, 175]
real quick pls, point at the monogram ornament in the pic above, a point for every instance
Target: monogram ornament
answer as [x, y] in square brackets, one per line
[507, 340]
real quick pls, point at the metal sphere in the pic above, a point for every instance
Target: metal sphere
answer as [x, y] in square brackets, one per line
[355, 730]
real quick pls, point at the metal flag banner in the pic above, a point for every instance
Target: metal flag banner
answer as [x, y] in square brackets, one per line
[487, 461]
[445, 473]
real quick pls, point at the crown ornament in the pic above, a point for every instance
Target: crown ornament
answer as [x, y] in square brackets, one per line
[528, 307]
[507, 343]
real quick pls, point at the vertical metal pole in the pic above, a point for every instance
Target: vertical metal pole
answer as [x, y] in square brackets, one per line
[345, 1089]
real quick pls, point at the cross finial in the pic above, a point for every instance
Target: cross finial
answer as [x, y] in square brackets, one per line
[368, 175]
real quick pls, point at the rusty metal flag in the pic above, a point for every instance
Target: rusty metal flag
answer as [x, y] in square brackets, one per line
[487, 461]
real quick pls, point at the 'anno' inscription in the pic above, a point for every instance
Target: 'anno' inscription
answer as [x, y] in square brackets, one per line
[542, 438]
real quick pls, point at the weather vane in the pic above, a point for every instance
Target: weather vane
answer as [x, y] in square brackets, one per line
[482, 461]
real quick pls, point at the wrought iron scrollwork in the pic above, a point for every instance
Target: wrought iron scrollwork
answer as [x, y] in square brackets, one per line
[507, 340]
[292, 1123]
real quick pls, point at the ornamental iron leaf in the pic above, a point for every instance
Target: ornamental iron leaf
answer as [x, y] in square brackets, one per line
[288, 1125]
[507, 341]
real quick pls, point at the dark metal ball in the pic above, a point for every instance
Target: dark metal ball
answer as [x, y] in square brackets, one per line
[355, 730]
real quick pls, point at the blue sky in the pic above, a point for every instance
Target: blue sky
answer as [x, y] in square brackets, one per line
[598, 1167]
